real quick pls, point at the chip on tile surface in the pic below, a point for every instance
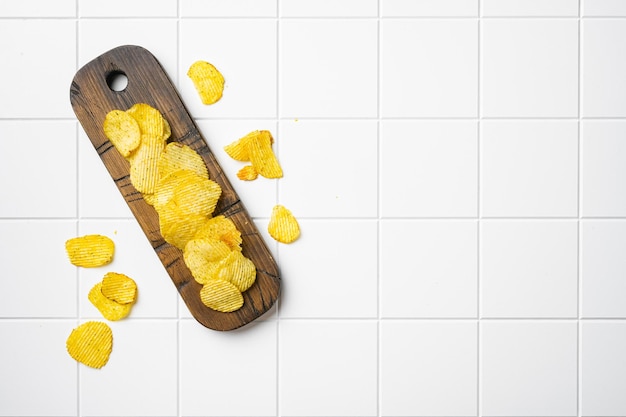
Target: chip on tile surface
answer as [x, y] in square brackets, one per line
[110, 310]
[119, 288]
[221, 296]
[123, 131]
[283, 226]
[207, 80]
[90, 251]
[248, 173]
[91, 344]
[256, 147]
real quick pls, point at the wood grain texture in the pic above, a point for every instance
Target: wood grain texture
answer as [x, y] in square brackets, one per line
[92, 99]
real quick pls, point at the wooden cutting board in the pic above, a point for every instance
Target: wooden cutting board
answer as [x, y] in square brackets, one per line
[92, 98]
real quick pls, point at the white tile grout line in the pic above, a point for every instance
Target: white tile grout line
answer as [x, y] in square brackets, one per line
[578, 238]
[479, 378]
[277, 199]
[379, 348]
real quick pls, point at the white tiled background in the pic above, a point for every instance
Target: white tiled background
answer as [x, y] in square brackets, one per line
[458, 168]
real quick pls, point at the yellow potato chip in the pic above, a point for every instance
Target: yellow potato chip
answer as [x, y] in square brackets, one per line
[144, 168]
[177, 156]
[110, 310]
[283, 226]
[123, 131]
[165, 187]
[248, 173]
[221, 296]
[91, 344]
[196, 195]
[178, 230]
[119, 288]
[90, 250]
[238, 270]
[221, 228]
[263, 158]
[207, 80]
[239, 149]
[149, 119]
[203, 257]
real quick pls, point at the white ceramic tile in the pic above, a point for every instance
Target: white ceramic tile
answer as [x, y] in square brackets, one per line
[228, 373]
[330, 271]
[429, 168]
[603, 172]
[228, 8]
[37, 278]
[429, 68]
[529, 68]
[38, 69]
[327, 368]
[603, 62]
[330, 168]
[603, 368]
[603, 268]
[603, 8]
[329, 8]
[127, 8]
[38, 169]
[244, 51]
[156, 294]
[529, 268]
[38, 8]
[328, 68]
[529, 168]
[140, 377]
[428, 368]
[528, 368]
[428, 268]
[419, 8]
[526, 8]
[156, 35]
[38, 376]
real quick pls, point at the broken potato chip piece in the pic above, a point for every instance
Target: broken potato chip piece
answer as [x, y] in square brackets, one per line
[110, 310]
[283, 226]
[119, 288]
[248, 173]
[90, 251]
[255, 147]
[91, 344]
[123, 131]
[221, 296]
[207, 80]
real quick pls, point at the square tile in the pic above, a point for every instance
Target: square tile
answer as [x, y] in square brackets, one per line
[156, 293]
[329, 8]
[613, 8]
[528, 8]
[603, 368]
[156, 35]
[429, 168]
[37, 278]
[39, 165]
[244, 51]
[529, 368]
[327, 368]
[603, 61]
[530, 68]
[428, 8]
[317, 78]
[529, 269]
[215, 365]
[603, 268]
[38, 8]
[126, 8]
[140, 378]
[428, 268]
[428, 368]
[603, 173]
[529, 168]
[32, 87]
[228, 8]
[447, 86]
[39, 378]
[330, 271]
[330, 168]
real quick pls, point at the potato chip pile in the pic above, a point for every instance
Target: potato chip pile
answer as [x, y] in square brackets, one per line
[173, 178]
[114, 296]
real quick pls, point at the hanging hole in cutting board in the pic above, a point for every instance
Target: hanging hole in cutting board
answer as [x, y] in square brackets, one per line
[117, 81]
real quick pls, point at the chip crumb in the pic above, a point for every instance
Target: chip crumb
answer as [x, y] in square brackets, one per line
[248, 173]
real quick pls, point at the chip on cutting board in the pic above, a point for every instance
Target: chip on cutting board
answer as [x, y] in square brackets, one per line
[207, 80]
[123, 131]
[238, 270]
[177, 156]
[221, 296]
[119, 288]
[283, 226]
[90, 251]
[91, 343]
[150, 120]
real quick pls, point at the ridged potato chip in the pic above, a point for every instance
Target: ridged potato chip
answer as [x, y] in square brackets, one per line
[91, 344]
[177, 156]
[203, 258]
[123, 131]
[283, 226]
[196, 195]
[150, 120]
[144, 163]
[248, 173]
[167, 184]
[256, 147]
[207, 80]
[90, 251]
[110, 310]
[238, 270]
[221, 296]
[239, 149]
[119, 288]
[221, 228]
[177, 230]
